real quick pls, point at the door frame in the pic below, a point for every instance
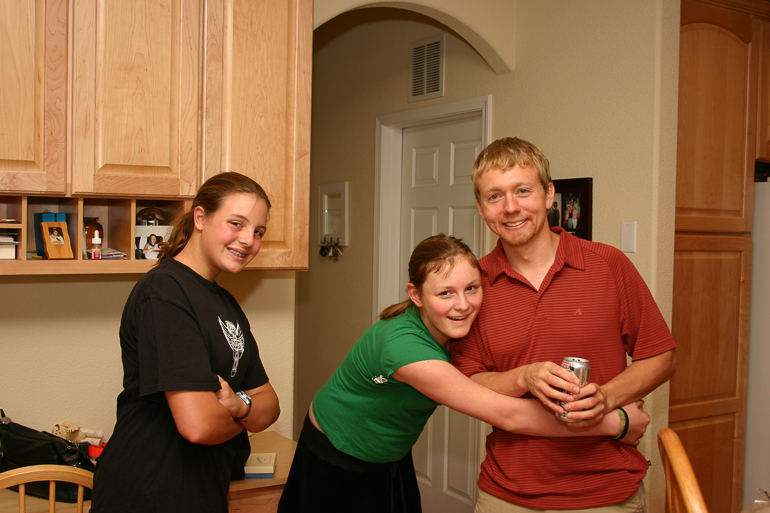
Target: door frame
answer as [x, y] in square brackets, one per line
[387, 186]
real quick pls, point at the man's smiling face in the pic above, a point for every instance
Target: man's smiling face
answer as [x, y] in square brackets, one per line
[514, 204]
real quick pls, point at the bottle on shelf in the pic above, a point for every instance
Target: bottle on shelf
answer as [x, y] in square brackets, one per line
[96, 246]
[90, 225]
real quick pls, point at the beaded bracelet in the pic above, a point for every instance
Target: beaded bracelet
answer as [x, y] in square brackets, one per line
[623, 423]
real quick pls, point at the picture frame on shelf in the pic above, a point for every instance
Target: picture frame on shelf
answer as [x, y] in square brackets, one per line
[56, 240]
[573, 206]
[148, 240]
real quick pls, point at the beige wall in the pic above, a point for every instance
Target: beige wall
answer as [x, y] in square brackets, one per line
[492, 37]
[60, 353]
[594, 85]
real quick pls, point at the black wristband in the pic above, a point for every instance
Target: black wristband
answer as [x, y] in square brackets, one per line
[623, 423]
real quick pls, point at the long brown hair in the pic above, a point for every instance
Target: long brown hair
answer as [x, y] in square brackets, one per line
[211, 195]
[433, 255]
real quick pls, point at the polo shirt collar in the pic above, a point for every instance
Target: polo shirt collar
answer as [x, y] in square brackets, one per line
[569, 252]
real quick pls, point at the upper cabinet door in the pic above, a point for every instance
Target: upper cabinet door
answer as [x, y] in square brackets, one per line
[136, 94]
[718, 104]
[258, 67]
[33, 103]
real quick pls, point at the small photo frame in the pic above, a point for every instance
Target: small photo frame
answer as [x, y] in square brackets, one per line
[572, 207]
[148, 240]
[57, 240]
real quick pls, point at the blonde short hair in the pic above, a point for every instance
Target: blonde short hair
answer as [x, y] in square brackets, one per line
[507, 152]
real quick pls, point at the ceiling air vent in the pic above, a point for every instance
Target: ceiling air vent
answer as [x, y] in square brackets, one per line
[427, 70]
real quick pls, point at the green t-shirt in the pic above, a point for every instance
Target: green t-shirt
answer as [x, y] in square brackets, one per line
[363, 410]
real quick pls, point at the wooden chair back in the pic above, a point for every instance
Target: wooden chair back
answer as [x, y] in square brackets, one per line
[51, 473]
[683, 494]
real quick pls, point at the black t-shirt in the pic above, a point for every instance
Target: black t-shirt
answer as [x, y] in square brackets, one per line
[178, 332]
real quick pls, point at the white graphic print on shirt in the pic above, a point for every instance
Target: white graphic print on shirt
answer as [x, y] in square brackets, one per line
[234, 337]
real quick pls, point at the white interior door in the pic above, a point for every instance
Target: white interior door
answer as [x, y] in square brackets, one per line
[436, 186]
[437, 197]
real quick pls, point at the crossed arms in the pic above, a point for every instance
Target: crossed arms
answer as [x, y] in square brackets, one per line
[208, 418]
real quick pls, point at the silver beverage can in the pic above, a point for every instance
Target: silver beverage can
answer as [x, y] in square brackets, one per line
[580, 368]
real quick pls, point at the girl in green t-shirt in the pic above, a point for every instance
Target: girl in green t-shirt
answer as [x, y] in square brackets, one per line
[354, 452]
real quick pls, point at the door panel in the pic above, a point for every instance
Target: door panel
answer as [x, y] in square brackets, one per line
[33, 82]
[707, 404]
[256, 116]
[437, 164]
[466, 221]
[718, 83]
[437, 197]
[443, 459]
[136, 97]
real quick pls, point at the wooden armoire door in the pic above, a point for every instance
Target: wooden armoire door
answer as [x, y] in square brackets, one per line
[722, 52]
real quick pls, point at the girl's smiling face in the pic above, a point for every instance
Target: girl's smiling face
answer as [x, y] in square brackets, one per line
[449, 300]
[230, 237]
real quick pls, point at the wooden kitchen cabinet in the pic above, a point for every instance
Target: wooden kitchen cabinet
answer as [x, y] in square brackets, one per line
[258, 66]
[722, 130]
[163, 95]
[720, 59]
[707, 402]
[136, 94]
[33, 103]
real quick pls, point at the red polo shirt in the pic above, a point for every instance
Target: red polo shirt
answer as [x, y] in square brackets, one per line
[592, 304]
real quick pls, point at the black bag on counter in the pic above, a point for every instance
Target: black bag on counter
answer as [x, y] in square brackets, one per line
[21, 446]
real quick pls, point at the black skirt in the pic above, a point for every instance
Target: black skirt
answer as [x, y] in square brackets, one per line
[323, 478]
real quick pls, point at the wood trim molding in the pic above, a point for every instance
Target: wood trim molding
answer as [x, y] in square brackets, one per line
[759, 8]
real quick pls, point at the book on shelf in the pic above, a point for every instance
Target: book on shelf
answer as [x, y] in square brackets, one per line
[108, 254]
[8, 247]
[260, 464]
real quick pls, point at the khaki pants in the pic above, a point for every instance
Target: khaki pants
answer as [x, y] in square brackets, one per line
[488, 503]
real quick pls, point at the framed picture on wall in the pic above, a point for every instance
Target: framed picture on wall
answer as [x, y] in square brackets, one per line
[572, 206]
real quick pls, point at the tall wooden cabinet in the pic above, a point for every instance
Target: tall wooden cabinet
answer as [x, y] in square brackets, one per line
[112, 107]
[723, 70]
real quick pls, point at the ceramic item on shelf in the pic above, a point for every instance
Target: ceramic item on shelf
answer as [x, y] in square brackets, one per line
[151, 217]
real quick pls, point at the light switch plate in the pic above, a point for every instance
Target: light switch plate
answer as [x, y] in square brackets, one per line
[628, 236]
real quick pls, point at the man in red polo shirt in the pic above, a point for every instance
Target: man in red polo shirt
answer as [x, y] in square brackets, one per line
[549, 295]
